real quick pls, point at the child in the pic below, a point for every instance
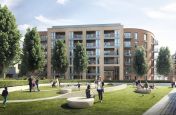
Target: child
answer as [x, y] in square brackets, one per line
[4, 95]
[88, 92]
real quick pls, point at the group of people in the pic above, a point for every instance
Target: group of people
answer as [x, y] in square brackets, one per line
[145, 85]
[33, 84]
[100, 89]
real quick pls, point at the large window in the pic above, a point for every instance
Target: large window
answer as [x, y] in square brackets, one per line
[145, 37]
[135, 35]
[127, 35]
[127, 44]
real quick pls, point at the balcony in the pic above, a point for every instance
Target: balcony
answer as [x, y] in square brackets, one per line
[128, 63]
[109, 45]
[91, 37]
[110, 54]
[155, 42]
[109, 36]
[91, 46]
[110, 62]
[60, 37]
[127, 54]
[92, 61]
[77, 37]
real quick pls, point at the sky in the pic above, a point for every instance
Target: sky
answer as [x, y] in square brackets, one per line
[157, 16]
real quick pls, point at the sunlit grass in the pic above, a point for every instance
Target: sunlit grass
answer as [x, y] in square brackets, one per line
[123, 102]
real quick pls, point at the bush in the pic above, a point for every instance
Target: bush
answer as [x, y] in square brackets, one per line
[10, 83]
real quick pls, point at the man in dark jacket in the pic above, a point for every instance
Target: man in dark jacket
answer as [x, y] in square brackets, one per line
[30, 83]
[4, 95]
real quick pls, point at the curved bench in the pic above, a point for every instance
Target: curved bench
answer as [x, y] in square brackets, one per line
[64, 90]
[80, 102]
[143, 91]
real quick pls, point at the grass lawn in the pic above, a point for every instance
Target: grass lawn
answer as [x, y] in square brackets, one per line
[124, 102]
[46, 91]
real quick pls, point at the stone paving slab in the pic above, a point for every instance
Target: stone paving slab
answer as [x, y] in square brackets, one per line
[166, 106]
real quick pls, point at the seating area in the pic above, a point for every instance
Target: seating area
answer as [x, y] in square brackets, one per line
[80, 102]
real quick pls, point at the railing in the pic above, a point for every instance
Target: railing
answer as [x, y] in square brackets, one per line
[92, 62]
[110, 62]
[155, 42]
[127, 54]
[60, 36]
[128, 63]
[110, 53]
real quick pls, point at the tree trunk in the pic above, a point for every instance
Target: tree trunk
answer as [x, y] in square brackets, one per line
[4, 75]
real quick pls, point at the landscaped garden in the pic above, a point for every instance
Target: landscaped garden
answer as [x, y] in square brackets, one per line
[122, 102]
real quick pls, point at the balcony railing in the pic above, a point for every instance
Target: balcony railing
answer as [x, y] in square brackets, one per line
[109, 36]
[110, 62]
[91, 36]
[92, 62]
[60, 36]
[127, 54]
[155, 50]
[128, 63]
[155, 42]
[77, 37]
[110, 53]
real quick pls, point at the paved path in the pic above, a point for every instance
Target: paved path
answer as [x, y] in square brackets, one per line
[67, 95]
[166, 106]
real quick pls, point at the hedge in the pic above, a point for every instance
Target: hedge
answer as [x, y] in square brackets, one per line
[10, 83]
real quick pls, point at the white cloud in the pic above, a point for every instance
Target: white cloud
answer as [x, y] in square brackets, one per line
[10, 3]
[62, 2]
[52, 22]
[167, 12]
[169, 8]
[23, 27]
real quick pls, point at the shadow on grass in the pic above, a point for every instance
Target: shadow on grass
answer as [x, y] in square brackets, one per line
[2, 108]
[65, 106]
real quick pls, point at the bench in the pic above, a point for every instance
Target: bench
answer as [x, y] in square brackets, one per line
[80, 102]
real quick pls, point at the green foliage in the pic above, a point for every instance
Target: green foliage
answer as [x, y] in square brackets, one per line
[10, 83]
[33, 55]
[139, 61]
[80, 59]
[163, 63]
[9, 39]
[59, 58]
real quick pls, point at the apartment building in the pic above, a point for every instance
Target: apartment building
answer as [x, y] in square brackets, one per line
[110, 48]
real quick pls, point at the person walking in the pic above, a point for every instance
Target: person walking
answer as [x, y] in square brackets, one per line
[79, 85]
[37, 84]
[4, 95]
[30, 83]
[100, 88]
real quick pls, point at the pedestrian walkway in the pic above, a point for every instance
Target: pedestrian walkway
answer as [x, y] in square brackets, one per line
[67, 95]
[166, 106]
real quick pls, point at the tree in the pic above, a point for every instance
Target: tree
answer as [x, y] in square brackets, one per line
[59, 57]
[139, 62]
[80, 59]
[163, 63]
[33, 56]
[9, 39]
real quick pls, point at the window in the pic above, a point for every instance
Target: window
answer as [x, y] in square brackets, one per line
[127, 35]
[145, 37]
[135, 35]
[127, 44]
